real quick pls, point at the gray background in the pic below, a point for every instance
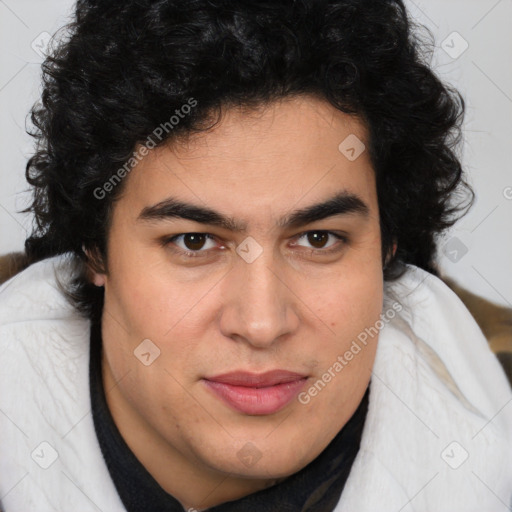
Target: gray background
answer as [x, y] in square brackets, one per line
[473, 52]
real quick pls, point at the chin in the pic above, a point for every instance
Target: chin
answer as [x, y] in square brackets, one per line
[259, 459]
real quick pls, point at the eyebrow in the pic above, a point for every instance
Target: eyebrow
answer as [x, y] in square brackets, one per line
[343, 203]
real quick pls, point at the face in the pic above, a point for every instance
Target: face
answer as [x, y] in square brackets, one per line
[223, 267]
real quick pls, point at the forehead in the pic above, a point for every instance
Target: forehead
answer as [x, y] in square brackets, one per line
[303, 125]
[260, 162]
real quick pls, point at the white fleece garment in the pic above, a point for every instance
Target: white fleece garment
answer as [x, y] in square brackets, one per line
[437, 437]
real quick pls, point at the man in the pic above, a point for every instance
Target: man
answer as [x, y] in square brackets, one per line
[232, 304]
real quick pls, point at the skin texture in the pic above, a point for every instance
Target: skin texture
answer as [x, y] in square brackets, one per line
[291, 308]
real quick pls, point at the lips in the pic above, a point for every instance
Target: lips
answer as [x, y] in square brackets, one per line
[256, 394]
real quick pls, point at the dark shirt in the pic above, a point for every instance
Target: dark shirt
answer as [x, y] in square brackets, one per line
[315, 488]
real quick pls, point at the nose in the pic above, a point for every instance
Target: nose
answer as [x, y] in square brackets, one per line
[259, 306]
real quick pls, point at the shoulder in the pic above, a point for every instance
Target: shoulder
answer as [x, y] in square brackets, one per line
[37, 293]
[46, 425]
[417, 288]
[444, 336]
[42, 337]
[438, 403]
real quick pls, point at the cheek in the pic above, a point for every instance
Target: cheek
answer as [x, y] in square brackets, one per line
[355, 302]
[146, 299]
[147, 304]
[351, 313]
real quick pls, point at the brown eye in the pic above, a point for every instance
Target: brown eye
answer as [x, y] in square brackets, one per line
[194, 241]
[322, 242]
[191, 243]
[318, 239]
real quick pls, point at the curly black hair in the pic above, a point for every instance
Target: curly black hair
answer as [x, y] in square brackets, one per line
[127, 67]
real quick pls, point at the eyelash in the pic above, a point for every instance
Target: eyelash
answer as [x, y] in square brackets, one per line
[201, 253]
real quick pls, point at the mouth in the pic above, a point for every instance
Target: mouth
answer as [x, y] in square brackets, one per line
[256, 394]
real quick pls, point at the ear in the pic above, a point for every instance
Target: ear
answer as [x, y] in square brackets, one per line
[391, 256]
[98, 279]
[95, 267]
